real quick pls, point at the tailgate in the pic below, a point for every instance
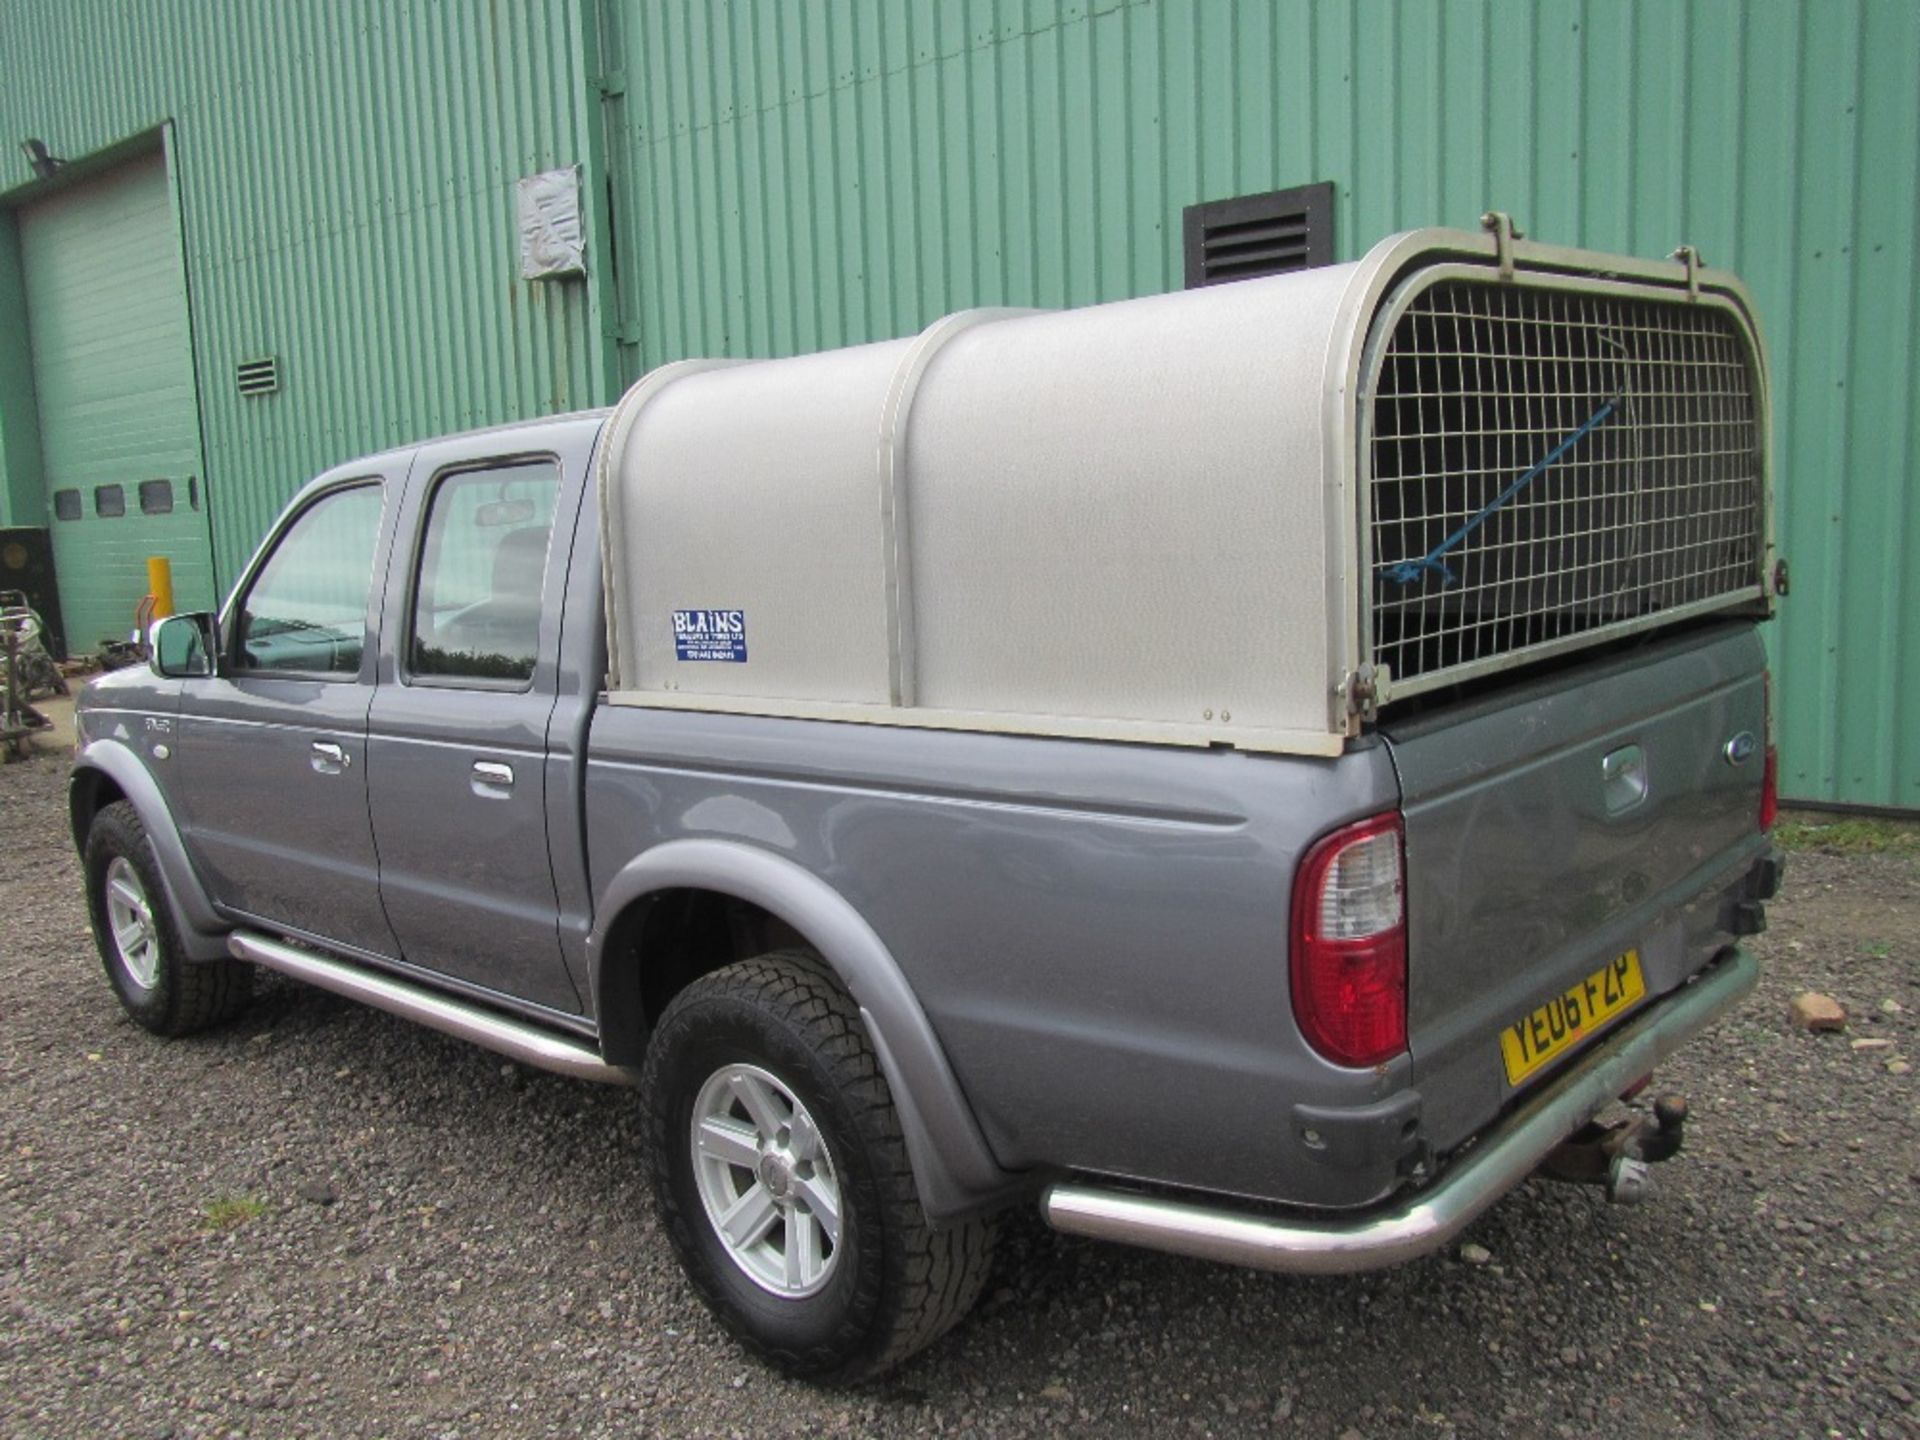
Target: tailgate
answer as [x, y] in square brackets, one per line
[1537, 858]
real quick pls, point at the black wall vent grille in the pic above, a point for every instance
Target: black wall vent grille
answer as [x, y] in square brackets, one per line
[1259, 234]
[259, 376]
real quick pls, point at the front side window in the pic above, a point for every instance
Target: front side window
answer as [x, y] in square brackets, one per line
[476, 607]
[306, 610]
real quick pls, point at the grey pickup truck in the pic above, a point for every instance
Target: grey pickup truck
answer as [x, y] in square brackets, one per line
[1255, 772]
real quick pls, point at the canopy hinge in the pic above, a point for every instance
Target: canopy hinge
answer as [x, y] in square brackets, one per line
[1505, 232]
[1365, 690]
[1690, 257]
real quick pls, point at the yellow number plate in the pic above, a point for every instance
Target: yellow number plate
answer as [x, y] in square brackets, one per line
[1565, 1021]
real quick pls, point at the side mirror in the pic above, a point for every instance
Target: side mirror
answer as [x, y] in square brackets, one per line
[184, 647]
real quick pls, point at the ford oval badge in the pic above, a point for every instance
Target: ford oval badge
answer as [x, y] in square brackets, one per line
[1741, 748]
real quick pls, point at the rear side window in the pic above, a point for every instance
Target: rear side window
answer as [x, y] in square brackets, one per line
[67, 505]
[476, 604]
[306, 611]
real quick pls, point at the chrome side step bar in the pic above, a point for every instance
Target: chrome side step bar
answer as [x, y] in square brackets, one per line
[1428, 1219]
[515, 1039]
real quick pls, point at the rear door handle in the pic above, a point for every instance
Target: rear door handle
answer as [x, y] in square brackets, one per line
[329, 758]
[491, 775]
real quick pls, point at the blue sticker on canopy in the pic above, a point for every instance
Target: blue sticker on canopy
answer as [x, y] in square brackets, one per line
[710, 635]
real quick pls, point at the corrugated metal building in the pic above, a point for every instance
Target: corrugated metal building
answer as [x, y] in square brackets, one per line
[332, 187]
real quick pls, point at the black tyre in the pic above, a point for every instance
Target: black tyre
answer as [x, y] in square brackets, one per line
[134, 928]
[783, 1182]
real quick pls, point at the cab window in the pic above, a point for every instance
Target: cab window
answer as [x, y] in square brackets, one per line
[476, 604]
[306, 611]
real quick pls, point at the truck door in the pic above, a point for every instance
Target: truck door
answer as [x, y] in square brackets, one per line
[268, 772]
[457, 736]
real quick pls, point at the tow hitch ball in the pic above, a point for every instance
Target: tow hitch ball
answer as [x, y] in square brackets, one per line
[1618, 1156]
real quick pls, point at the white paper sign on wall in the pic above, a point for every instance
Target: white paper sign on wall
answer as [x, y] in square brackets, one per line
[552, 243]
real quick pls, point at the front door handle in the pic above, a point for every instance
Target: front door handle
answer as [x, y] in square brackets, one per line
[328, 758]
[490, 776]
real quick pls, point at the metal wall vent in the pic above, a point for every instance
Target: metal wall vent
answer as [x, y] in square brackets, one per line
[1259, 234]
[260, 376]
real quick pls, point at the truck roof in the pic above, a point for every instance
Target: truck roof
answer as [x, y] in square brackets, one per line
[539, 422]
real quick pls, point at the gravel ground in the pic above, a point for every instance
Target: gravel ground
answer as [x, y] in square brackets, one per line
[320, 1221]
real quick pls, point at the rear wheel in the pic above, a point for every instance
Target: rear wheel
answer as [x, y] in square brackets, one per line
[781, 1175]
[134, 929]
[767, 1181]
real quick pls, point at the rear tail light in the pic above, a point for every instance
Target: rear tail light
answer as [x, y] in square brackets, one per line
[1350, 943]
[1770, 778]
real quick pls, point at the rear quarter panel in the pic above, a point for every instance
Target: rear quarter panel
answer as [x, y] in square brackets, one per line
[1097, 932]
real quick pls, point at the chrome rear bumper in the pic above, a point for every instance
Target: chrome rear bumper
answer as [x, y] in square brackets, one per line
[1427, 1219]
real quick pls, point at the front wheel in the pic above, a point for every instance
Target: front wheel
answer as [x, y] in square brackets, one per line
[138, 942]
[782, 1178]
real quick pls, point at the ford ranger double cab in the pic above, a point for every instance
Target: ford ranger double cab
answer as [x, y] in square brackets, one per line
[1255, 772]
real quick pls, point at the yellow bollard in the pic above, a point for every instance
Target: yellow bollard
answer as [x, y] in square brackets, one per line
[160, 585]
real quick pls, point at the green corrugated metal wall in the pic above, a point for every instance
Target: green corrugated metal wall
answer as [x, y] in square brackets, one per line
[808, 175]
[345, 173]
[797, 173]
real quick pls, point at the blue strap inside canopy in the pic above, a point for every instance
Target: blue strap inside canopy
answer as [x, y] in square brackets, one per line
[1408, 572]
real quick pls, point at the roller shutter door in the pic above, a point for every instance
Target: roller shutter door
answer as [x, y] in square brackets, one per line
[113, 378]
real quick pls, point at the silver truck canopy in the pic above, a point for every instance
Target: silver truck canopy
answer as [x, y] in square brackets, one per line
[1221, 516]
